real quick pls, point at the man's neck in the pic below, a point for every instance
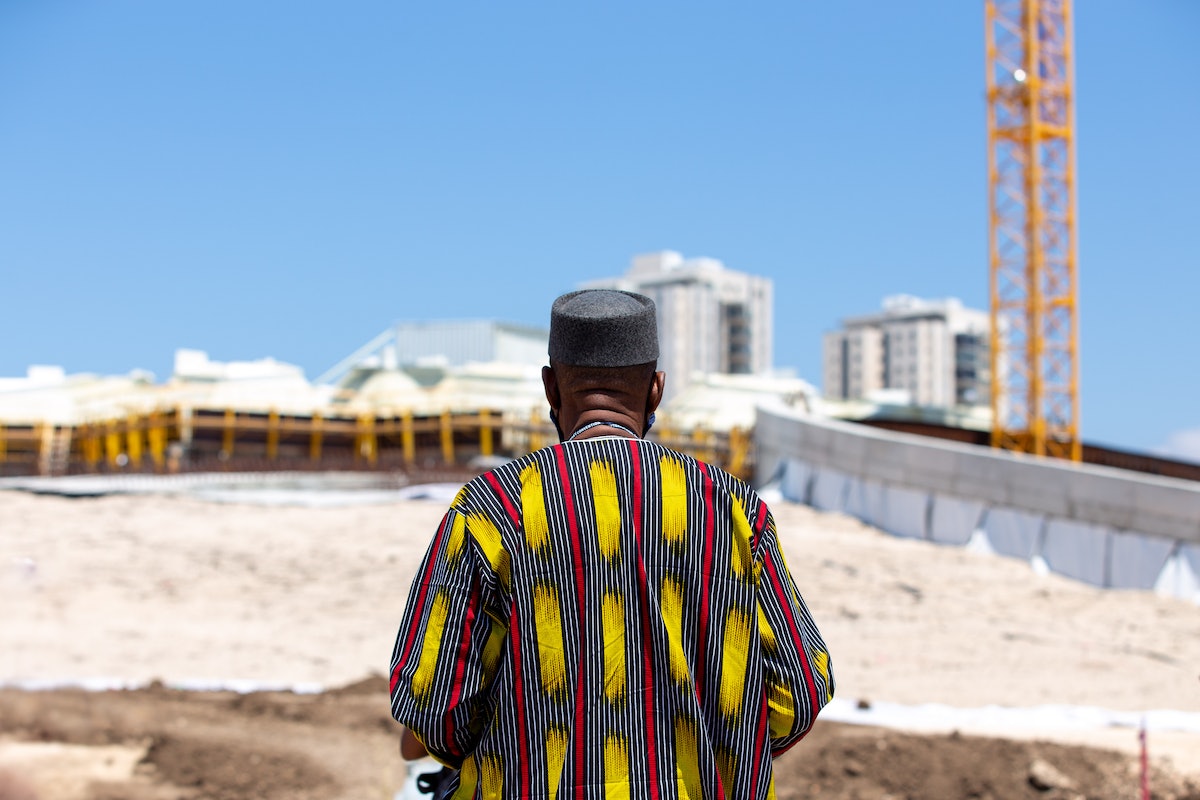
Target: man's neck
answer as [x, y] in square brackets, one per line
[600, 427]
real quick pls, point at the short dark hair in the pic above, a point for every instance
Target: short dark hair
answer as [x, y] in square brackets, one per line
[635, 378]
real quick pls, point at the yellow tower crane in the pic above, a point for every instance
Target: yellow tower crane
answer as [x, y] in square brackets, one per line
[1031, 185]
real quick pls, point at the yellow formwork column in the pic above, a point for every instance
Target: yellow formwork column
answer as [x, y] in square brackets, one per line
[230, 431]
[485, 432]
[112, 443]
[88, 445]
[665, 434]
[156, 438]
[272, 435]
[314, 438]
[447, 438]
[700, 444]
[739, 448]
[407, 438]
[535, 436]
[366, 443]
[133, 440]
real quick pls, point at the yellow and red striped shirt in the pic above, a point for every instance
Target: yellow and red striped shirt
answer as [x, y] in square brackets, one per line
[608, 618]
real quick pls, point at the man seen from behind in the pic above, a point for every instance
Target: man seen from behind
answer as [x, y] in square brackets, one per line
[607, 617]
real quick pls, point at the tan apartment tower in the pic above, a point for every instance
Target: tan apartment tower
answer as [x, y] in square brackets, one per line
[928, 352]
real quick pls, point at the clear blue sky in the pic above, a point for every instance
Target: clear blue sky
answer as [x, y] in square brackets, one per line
[286, 179]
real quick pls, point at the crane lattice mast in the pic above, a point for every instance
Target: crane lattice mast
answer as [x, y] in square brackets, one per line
[1031, 184]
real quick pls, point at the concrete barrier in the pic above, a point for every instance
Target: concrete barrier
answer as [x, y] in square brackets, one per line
[1101, 525]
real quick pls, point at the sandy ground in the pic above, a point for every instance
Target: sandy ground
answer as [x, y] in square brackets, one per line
[138, 588]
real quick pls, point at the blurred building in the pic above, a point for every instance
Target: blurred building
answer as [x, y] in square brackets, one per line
[913, 351]
[434, 346]
[710, 319]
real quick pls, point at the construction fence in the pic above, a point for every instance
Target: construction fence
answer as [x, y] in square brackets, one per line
[202, 439]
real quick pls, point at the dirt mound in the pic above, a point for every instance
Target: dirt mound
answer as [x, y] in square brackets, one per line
[847, 762]
[225, 771]
[373, 684]
[341, 744]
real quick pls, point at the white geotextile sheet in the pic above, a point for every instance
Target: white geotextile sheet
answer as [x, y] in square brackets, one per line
[906, 512]
[1137, 561]
[796, 481]
[1181, 575]
[867, 500]
[953, 519]
[829, 489]
[1013, 533]
[1077, 550]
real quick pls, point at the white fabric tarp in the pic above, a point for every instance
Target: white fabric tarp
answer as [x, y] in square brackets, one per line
[1095, 554]
[867, 500]
[829, 489]
[1013, 533]
[1077, 550]
[1137, 560]
[1190, 553]
[796, 480]
[953, 519]
[1181, 575]
[905, 512]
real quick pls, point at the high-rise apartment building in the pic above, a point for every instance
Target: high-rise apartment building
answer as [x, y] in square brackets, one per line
[710, 319]
[934, 351]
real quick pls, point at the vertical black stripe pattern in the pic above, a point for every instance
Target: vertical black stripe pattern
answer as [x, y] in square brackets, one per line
[766, 672]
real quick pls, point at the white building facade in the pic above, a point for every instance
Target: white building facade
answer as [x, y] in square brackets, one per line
[928, 352]
[710, 319]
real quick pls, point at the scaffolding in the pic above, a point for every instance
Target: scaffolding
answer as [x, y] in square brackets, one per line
[188, 439]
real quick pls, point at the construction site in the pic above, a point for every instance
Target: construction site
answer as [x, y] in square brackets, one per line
[202, 574]
[263, 416]
[438, 400]
[379, 409]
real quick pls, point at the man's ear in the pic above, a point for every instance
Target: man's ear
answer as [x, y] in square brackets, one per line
[656, 392]
[550, 384]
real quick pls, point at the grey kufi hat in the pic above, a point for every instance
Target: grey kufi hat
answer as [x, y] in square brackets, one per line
[603, 328]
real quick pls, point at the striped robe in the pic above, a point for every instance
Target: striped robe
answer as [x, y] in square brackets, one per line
[608, 618]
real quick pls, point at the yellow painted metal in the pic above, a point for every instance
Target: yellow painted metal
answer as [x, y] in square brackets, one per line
[407, 438]
[92, 445]
[156, 437]
[112, 443]
[366, 442]
[739, 447]
[314, 437]
[447, 431]
[130, 440]
[702, 444]
[133, 440]
[272, 435]
[665, 433]
[1032, 227]
[485, 432]
[535, 436]
[228, 434]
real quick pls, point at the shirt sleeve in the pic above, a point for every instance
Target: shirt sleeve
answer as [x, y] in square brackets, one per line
[445, 659]
[798, 672]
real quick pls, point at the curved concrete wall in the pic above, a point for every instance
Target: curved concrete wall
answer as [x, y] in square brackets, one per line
[1105, 526]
